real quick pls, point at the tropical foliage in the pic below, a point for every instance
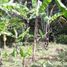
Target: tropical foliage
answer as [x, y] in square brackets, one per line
[16, 21]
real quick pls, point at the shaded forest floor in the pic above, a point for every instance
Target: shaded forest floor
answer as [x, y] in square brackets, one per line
[48, 57]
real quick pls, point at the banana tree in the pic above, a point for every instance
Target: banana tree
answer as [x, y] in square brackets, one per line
[39, 10]
[25, 53]
[36, 12]
[16, 26]
[17, 13]
[4, 23]
[48, 17]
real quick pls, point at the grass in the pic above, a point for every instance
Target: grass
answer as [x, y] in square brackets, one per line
[51, 49]
[9, 61]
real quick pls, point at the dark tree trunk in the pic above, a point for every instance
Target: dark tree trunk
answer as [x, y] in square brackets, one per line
[27, 25]
[29, 4]
[47, 35]
[35, 37]
[4, 39]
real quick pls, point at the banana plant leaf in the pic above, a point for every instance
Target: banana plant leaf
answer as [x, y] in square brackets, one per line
[39, 8]
[62, 7]
[4, 1]
[44, 5]
[55, 16]
[6, 33]
[14, 8]
[25, 52]
[22, 35]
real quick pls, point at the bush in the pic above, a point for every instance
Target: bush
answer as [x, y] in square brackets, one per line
[61, 39]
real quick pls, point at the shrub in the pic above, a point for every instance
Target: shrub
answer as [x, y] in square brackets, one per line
[61, 39]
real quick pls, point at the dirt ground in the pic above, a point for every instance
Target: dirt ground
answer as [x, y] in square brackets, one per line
[42, 55]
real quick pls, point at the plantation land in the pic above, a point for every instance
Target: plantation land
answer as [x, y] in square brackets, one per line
[48, 57]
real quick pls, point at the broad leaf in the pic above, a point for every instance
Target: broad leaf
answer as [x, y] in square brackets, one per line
[14, 8]
[22, 35]
[29, 51]
[23, 52]
[62, 7]
[4, 1]
[44, 5]
[41, 33]
[55, 16]
[34, 2]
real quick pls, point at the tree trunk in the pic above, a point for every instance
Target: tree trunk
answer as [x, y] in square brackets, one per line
[16, 36]
[4, 39]
[35, 37]
[26, 39]
[24, 62]
[47, 34]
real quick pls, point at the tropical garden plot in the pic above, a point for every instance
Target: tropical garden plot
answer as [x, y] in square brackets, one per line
[31, 32]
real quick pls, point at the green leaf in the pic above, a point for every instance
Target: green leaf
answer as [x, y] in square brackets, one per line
[23, 52]
[23, 10]
[14, 53]
[15, 8]
[34, 3]
[4, 1]
[1, 26]
[55, 16]
[22, 35]
[5, 54]
[41, 33]
[62, 7]
[29, 50]
[44, 5]
[6, 32]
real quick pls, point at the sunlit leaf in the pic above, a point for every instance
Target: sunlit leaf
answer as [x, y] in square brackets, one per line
[34, 3]
[55, 16]
[44, 5]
